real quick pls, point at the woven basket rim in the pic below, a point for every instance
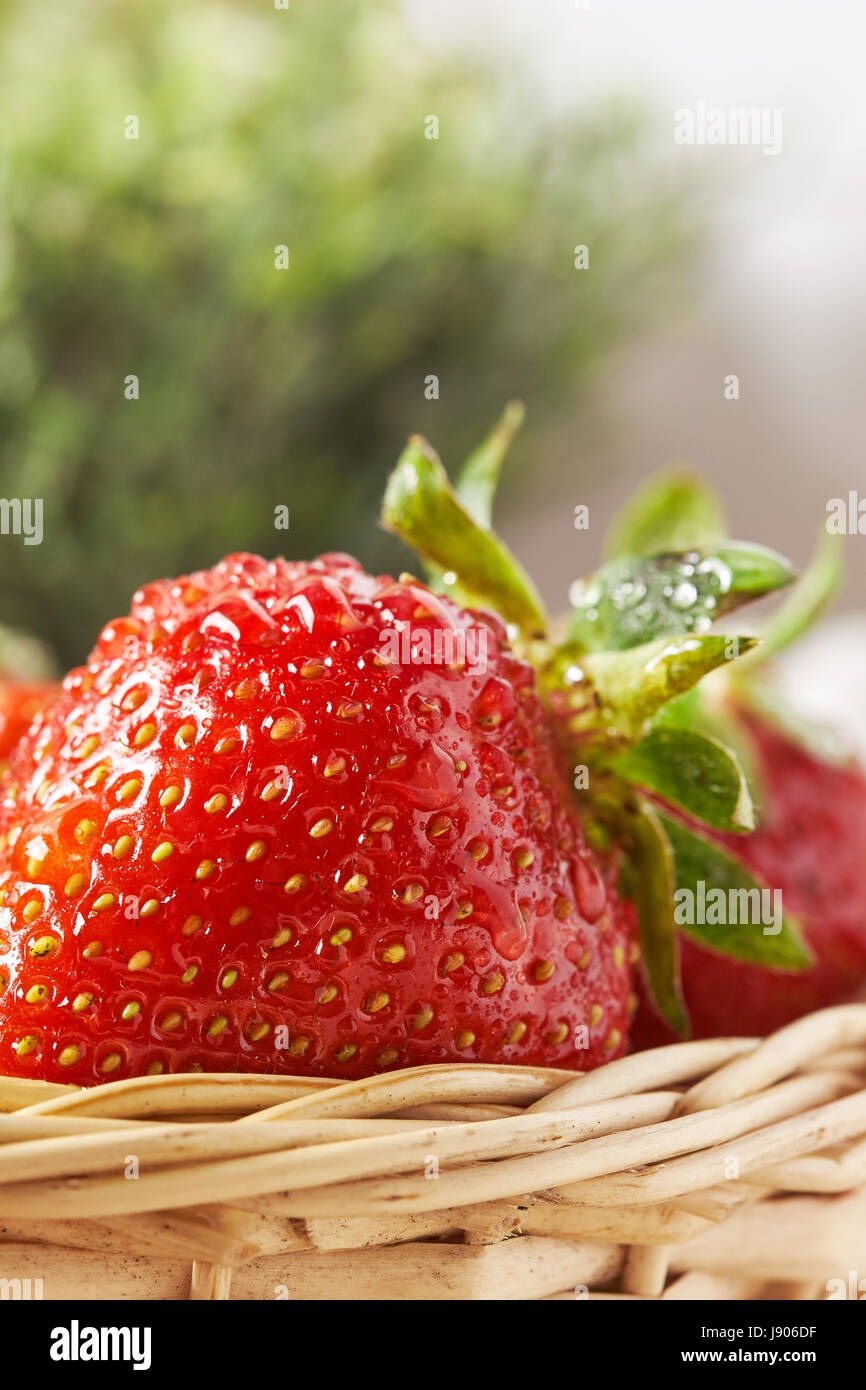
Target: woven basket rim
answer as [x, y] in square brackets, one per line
[648, 1145]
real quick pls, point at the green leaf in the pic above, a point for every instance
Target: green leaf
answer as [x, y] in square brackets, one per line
[754, 571]
[674, 511]
[479, 476]
[685, 712]
[817, 585]
[614, 695]
[638, 598]
[715, 719]
[648, 879]
[422, 508]
[476, 484]
[752, 926]
[694, 772]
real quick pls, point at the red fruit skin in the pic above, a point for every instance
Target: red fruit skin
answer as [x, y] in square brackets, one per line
[20, 701]
[811, 844]
[242, 839]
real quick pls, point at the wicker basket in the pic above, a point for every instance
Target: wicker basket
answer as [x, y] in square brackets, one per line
[720, 1169]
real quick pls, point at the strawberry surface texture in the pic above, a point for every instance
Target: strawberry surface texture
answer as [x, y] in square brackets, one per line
[294, 818]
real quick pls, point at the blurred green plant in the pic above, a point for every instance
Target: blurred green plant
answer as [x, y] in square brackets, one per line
[261, 388]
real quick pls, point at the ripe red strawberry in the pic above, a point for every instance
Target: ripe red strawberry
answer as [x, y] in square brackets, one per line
[242, 838]
[19, 702]
[294, 818]
[811, 844]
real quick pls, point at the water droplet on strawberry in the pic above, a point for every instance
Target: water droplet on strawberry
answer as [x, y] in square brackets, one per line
[511, 937]
[428, 780]
[240, 619]
[589, 886]
[426, 711]
[496, 704]
[508, 930]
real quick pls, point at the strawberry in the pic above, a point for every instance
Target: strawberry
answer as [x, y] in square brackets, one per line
[246, 837]
[19, 702]
[294, 818]
[811, 846]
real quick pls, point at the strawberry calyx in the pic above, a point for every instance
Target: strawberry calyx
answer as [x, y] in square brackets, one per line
[620, 679]
[465, 558]
[635, 599]
[611, 697]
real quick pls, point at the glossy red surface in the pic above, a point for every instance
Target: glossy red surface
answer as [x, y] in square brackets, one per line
[258, 832]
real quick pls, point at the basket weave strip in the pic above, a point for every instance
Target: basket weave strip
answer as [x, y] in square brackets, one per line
[727, 1168]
